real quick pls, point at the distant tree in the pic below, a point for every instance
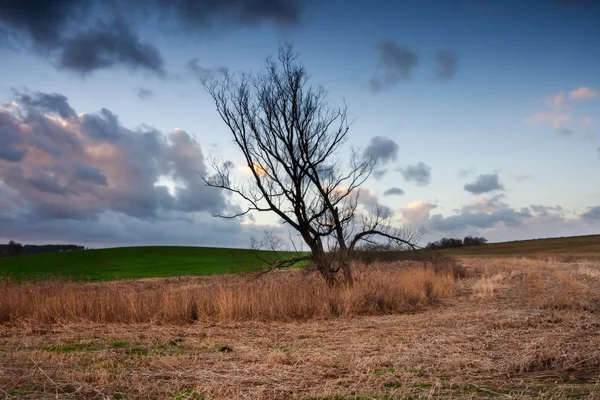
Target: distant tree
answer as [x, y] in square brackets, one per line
[290, 137]
[446, 243]
[474, 241]
[15, 249]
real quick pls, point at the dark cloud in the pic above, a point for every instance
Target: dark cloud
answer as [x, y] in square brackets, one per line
[114, 229]
[483, 214]
[420, 173]
[484, 184]
[395, 64]
[40, 21]
[81, 167]
[53, 102]
[202, 73]
[593, 213]
[108, 45]
[494, 218]
[12, 149]
[144, 93]
[382, 149]
[445, 62]
[101, 126]
[394, 191]
[481, 220]
[379, 173]
[371, 203]
[86, 35]
[205, 14]
[545, 210]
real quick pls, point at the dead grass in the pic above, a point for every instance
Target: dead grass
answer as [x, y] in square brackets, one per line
[534, 335]
[379, 289]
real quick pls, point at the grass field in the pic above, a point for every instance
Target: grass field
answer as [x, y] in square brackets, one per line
[512, 328]
[152, 262]
[575, 246]
[133, 262]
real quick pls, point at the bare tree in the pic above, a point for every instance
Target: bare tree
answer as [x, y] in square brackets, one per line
[290, 139]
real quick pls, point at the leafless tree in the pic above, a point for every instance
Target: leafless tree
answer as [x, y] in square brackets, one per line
[290, 139]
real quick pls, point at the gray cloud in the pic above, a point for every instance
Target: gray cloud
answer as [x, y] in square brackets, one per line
[115, 229]
[81, 167]
[483, 214]
[494, 218]
[382, 149]
[379, 173]
[108, 45]
[208, 13]
[593, 213]
[87, 35]
[484, 183]
[481, 220]
[419, 173]
[395, 64]
[394, 191]
[143, 93]
[41, 21]
[11, 149]
[202, 73]
[370, 201]
[445, 62]
[53, 103]
[545, 210]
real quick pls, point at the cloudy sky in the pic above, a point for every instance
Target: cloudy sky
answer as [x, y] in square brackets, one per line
[485, 115]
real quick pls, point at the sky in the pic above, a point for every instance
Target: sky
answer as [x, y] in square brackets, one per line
[484, 115]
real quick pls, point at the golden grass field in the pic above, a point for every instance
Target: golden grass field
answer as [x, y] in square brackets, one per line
[511, 328]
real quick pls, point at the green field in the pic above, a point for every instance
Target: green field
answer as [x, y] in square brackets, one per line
[163, 261]
[578, 246]
[133, 262]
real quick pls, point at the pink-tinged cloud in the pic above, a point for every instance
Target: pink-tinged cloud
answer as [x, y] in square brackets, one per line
[64, 165]
[417, 213]
[584, 92]
[556, 119]
[557, 100]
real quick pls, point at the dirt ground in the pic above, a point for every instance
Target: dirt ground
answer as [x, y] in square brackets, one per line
[515, 328]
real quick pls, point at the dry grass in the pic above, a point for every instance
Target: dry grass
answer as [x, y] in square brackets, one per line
[379, 289]
[518, 329]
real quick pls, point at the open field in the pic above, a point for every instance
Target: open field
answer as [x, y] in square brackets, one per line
[164, 261]
[573, 246]
[133, 262]
[512, 328]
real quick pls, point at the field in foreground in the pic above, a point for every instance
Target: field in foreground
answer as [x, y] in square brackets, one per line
[572, 246]
[512, 328]
[133, 262]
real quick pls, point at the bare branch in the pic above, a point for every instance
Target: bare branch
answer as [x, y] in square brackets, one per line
[290, 138]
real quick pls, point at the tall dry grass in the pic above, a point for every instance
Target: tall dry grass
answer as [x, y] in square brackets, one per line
[378, 289]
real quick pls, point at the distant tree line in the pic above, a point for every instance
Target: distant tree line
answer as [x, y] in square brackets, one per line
[447, 243]
[13, 248]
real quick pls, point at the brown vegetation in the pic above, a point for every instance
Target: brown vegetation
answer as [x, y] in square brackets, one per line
[514, 328]
[378, 289]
